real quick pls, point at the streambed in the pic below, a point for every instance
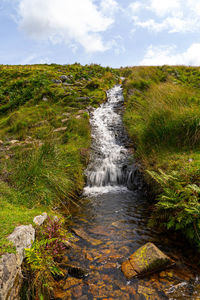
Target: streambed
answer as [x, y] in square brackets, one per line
[112, 223]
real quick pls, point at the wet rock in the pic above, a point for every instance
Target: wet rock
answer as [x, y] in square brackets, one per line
[71, 282]
[145, 260]
[77, 291]
[147, 292]
[60, 129]
[76, 271]
[86, 237]
[39, 220]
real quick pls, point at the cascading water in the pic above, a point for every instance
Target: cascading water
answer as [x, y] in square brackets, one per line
[108, 168]
[111, 224]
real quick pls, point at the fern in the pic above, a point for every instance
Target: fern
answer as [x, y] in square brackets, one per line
[181, 201]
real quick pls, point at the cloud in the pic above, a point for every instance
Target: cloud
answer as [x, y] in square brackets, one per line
[69, 21]
[171, 15]
[109, 7]
[167, 55]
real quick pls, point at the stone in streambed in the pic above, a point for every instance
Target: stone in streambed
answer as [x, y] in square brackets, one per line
[146, 259]
[86, 237]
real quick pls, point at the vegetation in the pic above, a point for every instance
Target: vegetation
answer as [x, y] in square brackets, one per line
[44, 259]
[162, 117]
[45, 137]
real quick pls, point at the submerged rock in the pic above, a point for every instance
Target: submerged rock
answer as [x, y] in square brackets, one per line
[86, 237]
[146, 259]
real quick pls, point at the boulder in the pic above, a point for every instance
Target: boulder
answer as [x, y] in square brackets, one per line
[145, 260]
[10, 264]
[56, 81]
[64, 78]
[10, 277]
[22, 237]
[39, 220]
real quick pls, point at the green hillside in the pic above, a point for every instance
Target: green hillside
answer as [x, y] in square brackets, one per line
[45, 137]
[162, 116]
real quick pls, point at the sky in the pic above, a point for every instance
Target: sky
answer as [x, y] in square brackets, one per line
[108, 32]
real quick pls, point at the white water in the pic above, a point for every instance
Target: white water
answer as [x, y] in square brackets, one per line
[107, 171]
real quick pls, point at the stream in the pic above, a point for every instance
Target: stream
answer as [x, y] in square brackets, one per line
[112, 223]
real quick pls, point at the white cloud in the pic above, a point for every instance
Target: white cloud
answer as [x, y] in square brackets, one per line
[71, 21]
[109, 7]
[168, 55]
[162, 8]
[170, 15]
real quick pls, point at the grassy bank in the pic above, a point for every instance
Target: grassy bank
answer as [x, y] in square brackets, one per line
[162, 117]
[45, 137]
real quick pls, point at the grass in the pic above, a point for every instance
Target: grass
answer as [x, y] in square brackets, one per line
[45, 137]
[162, 117]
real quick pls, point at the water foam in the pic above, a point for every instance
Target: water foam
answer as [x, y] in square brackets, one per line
[107, 170]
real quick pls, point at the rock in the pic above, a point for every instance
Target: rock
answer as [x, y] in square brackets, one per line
[41, 123]
[64, 120]
[147, 259]
[66, 114]
[67, 84]
[1, 142]
[85, 236]
[22, 237]
[10, 277]
[56, 81]
[44, 99]
[71, 282]
[60, 129]
[14, 142]
[63, 78]
[39, 220]
[90, 109]
[10, 264]
[76, 271]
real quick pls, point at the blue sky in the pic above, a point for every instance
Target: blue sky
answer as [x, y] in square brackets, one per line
[109, 32]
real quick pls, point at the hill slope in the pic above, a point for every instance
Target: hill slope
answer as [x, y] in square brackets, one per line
[45, 137]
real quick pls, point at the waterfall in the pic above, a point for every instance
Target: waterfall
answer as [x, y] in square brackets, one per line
[108, 164]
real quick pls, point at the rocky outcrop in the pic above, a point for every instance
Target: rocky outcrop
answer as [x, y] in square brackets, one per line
[145, 260]
[10, 264]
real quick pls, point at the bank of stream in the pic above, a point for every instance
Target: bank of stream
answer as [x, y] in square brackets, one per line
[111, 224]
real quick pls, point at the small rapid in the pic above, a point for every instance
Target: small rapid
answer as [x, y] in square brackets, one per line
[108, 170]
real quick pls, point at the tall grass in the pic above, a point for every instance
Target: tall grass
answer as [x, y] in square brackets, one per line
[162, 117]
